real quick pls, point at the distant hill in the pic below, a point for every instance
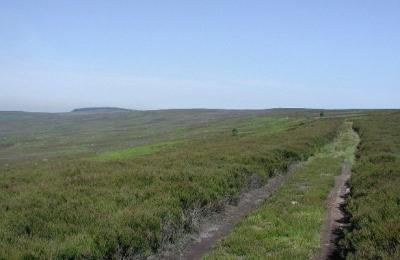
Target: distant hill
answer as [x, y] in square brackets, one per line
[100, 110]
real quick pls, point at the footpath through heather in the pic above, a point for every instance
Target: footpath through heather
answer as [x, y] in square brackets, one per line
[298, 220]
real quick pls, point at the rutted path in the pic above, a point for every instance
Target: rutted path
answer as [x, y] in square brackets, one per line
[289, 225]
[217, 226]
[335, 219]
[334, 223]
[303, 204]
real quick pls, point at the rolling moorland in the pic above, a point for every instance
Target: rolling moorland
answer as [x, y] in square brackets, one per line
[114, 184]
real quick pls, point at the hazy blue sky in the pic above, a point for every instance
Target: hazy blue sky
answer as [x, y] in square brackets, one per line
[57, 55]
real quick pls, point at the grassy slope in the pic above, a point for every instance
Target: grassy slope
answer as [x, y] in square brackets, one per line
[374, 202]
[43, 135]
[253, 126]
[287, 226]
[137, 151]
[84, 208]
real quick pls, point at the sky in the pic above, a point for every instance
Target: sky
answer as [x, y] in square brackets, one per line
[60, 55]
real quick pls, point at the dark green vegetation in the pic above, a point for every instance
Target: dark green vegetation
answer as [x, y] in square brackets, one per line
[374, 202]
[133, 202]
[287, 226]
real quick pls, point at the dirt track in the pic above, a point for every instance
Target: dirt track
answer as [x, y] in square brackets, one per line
[334, 224]
[217, 226]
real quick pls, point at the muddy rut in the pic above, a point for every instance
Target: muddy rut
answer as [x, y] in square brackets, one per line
[219, 225]
[333, 223]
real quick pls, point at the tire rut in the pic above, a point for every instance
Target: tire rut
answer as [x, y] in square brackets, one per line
[219, 225]
[335, 219]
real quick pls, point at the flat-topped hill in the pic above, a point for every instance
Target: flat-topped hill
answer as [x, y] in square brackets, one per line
[100, 110]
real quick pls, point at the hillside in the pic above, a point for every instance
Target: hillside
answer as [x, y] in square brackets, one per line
[26, 135]
[127, 185]
[131, 206]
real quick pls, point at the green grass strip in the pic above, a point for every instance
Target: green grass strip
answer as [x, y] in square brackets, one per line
[287, 226]
[137, 151]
